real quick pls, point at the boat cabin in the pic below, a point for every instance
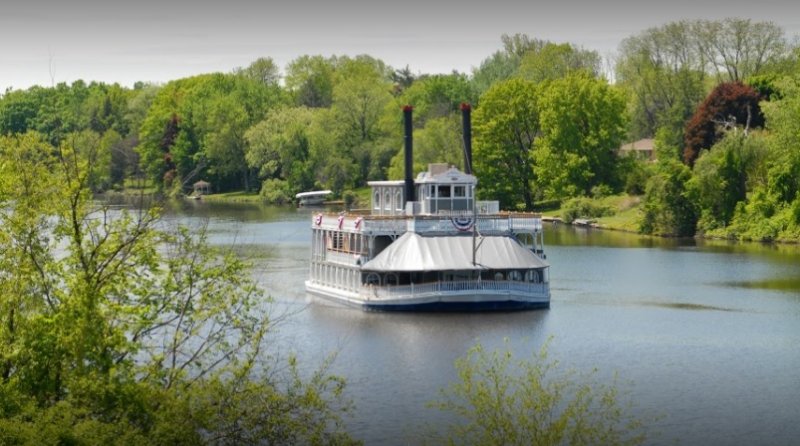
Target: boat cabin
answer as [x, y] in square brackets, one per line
[442, 189]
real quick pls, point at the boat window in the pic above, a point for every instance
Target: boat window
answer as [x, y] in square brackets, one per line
[337, 241]
[498, 276]
[373, 279]
[459, 191]
[532, 276]
[444, 191]
[514, 275]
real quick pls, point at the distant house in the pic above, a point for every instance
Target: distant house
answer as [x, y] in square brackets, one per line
[641, 149]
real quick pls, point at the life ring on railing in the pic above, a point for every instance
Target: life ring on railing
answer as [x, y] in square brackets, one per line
[358, 222]
[341, 221]
[318, 219]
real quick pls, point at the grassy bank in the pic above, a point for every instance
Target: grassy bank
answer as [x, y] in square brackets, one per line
[235, 197]
[617, 212]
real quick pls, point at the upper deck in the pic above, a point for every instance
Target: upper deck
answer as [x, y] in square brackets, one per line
[485, 224]
[447, 204]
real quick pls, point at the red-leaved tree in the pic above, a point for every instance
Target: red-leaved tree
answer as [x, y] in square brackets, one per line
[729, 105]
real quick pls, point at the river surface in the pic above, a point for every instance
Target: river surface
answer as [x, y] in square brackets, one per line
[704, 336]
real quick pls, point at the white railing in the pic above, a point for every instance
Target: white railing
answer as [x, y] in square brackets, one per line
[442, 223]
[345, 258]
[373, 291]
[488, 207]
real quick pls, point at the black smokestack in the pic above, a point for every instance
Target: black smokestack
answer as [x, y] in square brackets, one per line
[466, 124]
[409, 152]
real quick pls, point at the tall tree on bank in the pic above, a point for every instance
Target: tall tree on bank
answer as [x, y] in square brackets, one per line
[664, 73]
[503, 65]
[555, 61]
[361, 99]
[729, 105]
[582, 124]
[739, 48]
[310, 80]
[506, 130]
[279, 148]
[198, 124]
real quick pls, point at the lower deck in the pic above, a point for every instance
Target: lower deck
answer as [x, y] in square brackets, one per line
[456, 296]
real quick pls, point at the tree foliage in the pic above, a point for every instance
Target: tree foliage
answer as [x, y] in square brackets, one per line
[667, 206]
[739, 48]
[729, 105]
[310, 80]
[664, 73]
[720, 178]
[279, 147]
[438, 142]
[506, 130]
[195, 128]
[114, 328]
[501, 400]
[554, 61]
[582, 122]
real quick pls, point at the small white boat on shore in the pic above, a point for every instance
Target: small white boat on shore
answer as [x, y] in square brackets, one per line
[312, 198]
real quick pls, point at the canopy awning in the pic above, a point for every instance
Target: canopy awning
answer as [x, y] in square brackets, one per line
[413, 252]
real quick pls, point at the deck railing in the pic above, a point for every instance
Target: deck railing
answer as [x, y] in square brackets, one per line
[500, 286]
[441, 223]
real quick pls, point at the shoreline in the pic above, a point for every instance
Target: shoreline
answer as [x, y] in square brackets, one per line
[593, 224]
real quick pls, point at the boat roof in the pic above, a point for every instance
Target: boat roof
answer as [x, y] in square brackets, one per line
[313, 193]
[443, 174]
[415, 252]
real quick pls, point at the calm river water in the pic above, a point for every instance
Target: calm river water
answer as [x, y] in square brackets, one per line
[706, 334]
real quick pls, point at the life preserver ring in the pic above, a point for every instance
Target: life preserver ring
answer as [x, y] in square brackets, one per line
[341, 221]
[358, 222]
[318, 219]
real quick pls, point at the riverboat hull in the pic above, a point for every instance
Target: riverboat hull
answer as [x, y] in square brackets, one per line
[458, 301]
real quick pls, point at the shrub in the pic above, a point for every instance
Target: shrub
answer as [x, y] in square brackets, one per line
[583, 207]
[276, 191]
[501, 400]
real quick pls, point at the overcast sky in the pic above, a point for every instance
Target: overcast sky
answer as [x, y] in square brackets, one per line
[46, 41]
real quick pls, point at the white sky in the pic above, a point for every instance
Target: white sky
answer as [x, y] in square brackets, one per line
[46, 41]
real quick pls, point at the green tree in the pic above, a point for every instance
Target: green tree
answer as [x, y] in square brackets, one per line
[667, 206]
[582, 123]
[278, 147]
[501, 400]
[113, 330]
[503, 65]
[720, 178]
[506, 131]
[555, 61]
[262, 70]
[334, 163]
[664, 74]
[439, 142]
[18, 110]
[361, 100]
[195, 128]
[739, 48]
[437, 96]
[310, 80]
